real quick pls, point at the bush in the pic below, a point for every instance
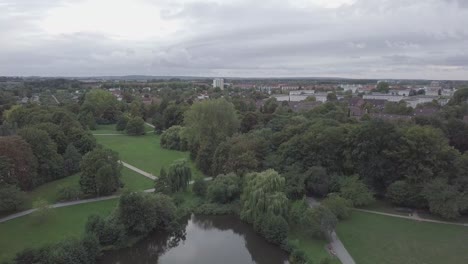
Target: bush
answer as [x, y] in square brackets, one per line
[338, 206]
[70, 251]
[11, 198]
[296, 212]
[108, 231]
[69, 193]
[141, 213]
[224, 189]
[354, 190]
[135, 126]
[217, 209]
[274, 228]
[173, 138]
[199, 187]
[122, 122]
[318, 222]
[72, 159]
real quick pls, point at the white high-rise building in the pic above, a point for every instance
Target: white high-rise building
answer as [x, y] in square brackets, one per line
[218, 82]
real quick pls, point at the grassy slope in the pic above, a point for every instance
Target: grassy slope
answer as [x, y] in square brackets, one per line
[132, 181]
[380, 239]
[49, 190]
[143, 152]
[315, 249]
[63, 222]
[110, 129]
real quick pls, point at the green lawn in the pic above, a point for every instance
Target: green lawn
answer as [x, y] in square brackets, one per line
[372, 238]
[315, 249]
[110, 129]
[132, 181]
[144, 152]
[63, 222]
[49, 190]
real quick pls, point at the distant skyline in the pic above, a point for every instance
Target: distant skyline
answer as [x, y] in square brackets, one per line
[374, 39]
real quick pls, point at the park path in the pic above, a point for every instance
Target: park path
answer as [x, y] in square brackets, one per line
[137, 170]
[336, 245]
[55, 98]
[414, 217]
[108, 134]
[58, 205]
[91, 200]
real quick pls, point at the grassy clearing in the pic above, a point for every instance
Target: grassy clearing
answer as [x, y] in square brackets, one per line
[372, 238]
[144, 152]
[25, 232]
[110, 129]
[132, 181]
[315, 249]
[49, 190]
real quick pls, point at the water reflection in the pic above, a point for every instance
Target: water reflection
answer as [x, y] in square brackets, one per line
[206, 240]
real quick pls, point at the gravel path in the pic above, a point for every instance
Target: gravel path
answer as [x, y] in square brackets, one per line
[336, 245]
[148, 124]
[414, 217]
[92, 200]
[137, 170]
[58, 205]
[55, 98]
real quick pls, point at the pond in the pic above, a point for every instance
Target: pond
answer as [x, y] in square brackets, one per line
[208, 239]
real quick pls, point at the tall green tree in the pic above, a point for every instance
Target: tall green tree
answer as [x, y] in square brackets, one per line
[179, 175]
[100, 172]
[45, 150]
[135, 126]
[72, 159]
[263, 194]
[19, 163]
[207, 124]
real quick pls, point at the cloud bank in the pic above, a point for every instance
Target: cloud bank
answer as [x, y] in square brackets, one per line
[423, 39]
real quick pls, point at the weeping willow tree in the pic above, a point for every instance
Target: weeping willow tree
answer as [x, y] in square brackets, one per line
[179, 175]
[263, 195]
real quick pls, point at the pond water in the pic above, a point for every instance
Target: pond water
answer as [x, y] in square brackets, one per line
[208, 239]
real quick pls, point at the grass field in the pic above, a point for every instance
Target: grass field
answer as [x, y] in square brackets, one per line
[372, 238]
[143, 152]
[110, 129]
[132, 181]
[315, 249]
[25, 232]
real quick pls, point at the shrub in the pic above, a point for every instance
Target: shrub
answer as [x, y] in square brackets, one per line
[224, 188]
[173, 138]
[338, 206]
[11, 198]
[274, 228]
[69, 193]
[108, 231]
[141, 213]
[135, 126]
[353, 189]
[199, 187]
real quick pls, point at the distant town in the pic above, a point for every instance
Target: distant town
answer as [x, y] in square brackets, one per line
[387, 99]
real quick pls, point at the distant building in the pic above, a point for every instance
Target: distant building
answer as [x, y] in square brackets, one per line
[218, 82]
[386, 97]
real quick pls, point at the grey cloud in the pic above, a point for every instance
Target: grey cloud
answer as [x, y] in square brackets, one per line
[371, 38]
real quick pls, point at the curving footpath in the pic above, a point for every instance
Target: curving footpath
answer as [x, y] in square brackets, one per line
[91, 200]
[339, 249]
[414, 218]
[137, 170]
[58, 205]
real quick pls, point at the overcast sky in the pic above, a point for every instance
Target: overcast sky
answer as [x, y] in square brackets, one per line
[424, 39]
